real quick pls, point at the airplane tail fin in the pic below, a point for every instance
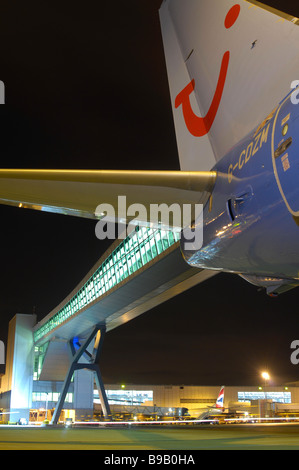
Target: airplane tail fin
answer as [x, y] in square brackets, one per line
[229, 64]
[220, 399]
[189, 146]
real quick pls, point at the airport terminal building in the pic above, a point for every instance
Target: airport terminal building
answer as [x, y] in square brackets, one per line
[24, 393]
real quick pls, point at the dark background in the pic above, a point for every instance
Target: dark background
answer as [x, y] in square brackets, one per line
[86, 88]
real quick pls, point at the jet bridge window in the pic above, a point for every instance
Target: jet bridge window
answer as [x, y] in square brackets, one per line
[141, 247]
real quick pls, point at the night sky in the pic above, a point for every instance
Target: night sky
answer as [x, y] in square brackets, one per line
[86, 88]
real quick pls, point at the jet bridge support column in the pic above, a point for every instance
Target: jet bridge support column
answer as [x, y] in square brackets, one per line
[97, 335]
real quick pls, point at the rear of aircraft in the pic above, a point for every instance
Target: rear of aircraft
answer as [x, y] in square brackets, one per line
[230, 65]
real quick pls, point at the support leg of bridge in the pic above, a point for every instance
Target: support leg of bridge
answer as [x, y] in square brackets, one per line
[97, 335]
[98, 377]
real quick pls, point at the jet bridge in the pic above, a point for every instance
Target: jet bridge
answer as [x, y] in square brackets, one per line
[133, 276]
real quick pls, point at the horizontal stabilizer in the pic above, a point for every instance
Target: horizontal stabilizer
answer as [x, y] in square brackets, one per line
[88, 193]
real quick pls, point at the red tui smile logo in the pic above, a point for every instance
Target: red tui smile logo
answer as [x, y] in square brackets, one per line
[198, 126]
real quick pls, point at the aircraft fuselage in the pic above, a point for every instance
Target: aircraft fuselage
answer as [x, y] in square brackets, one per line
[251, 223]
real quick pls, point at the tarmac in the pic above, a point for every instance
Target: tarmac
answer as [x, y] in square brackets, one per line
[152, 438]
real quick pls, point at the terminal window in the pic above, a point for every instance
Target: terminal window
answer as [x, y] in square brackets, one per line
[127, 397]
[276, 397]
[50, 396]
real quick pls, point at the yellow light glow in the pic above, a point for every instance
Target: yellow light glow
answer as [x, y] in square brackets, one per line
[265, 376]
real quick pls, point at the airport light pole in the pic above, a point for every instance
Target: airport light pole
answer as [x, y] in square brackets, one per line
[266, 378]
